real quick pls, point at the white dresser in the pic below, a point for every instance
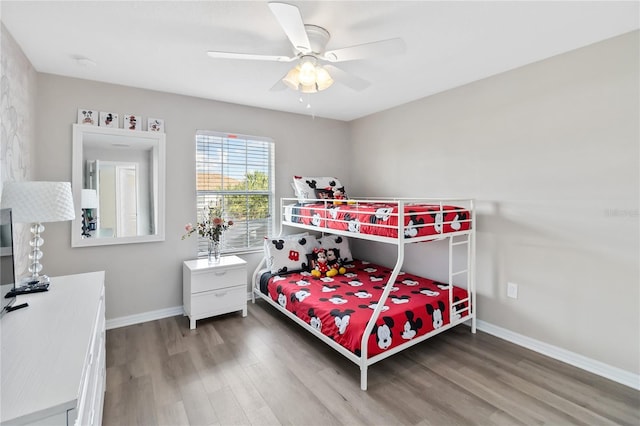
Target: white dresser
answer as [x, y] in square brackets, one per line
[53, 355]
[210, 289]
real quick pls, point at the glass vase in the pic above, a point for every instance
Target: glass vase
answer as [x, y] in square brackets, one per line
[214, 251]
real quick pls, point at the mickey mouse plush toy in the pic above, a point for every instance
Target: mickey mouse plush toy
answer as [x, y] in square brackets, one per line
[320, 265]
[326, 262]
[335, 263]
[338, 195]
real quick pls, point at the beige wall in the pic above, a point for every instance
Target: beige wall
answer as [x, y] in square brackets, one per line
[551, 153]
[147, 277]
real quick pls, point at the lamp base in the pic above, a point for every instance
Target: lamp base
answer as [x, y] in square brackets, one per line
[32, 281]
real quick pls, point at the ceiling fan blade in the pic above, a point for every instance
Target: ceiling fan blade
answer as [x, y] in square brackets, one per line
[278, 86]
[249, 56]
[349, 80]
[290, 20]
[392, 46]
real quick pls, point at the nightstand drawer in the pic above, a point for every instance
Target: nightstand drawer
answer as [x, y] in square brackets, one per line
[217, 278]
[219, 301]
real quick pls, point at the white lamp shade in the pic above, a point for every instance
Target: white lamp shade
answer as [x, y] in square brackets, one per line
[89, 199]
[39, 202]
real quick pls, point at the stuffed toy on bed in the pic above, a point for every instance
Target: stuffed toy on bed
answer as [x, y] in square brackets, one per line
[338, 195]
[335, 262]
[320, 264]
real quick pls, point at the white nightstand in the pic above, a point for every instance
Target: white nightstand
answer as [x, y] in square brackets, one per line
[210, 289]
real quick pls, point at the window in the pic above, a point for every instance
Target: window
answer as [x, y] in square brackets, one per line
[235, 173]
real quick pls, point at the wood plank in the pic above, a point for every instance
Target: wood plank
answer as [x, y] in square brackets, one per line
[194, 396]
[130, 403]
[172, 414]
[227, 408]
[578, 392]
[266, 370]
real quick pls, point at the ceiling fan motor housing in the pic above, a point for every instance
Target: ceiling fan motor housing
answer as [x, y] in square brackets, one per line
[318, 39]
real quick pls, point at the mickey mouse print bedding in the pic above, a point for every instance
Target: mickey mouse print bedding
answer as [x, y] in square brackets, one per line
[376, 218]
[340, 306]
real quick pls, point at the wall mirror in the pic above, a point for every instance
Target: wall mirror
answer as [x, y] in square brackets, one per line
[118, 182]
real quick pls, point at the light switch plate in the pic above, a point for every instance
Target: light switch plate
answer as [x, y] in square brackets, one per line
[512, 290]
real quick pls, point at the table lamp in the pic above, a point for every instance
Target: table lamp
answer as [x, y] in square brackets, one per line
[88, 201]
[38, 203]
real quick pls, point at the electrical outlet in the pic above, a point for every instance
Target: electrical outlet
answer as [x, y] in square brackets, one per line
[512, 290]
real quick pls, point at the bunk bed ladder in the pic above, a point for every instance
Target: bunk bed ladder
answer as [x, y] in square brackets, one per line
[462, 307]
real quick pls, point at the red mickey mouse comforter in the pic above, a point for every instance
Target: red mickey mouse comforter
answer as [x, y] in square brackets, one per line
[340, 307]
[382, 218]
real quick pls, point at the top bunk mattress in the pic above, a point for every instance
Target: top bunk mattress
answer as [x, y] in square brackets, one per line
[380, 218]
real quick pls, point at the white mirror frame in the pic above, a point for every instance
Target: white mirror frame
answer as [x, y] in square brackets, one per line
[159, 154]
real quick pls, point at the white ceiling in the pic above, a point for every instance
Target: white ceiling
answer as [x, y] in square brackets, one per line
[162, 45]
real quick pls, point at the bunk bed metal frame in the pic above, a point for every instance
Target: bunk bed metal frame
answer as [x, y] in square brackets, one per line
[465, 307]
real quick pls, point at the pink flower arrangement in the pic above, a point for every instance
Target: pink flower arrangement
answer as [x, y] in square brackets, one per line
[211, 227]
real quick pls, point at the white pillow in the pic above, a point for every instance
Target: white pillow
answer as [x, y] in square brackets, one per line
[339, 242]
[288, 253]
[305, 239]
[293, 236]
[310, 187]
[310, 242]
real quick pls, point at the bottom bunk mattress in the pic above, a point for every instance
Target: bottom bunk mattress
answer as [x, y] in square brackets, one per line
[340, 307]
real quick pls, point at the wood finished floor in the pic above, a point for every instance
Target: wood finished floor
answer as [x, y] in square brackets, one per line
[265, 370]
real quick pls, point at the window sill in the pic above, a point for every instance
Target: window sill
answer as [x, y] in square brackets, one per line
[236, 252]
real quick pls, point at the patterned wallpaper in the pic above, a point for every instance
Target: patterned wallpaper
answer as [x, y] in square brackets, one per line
[17, 117]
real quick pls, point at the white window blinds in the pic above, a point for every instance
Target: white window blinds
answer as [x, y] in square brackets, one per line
[235, 173]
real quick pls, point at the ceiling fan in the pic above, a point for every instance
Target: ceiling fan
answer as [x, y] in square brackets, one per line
[314, 71]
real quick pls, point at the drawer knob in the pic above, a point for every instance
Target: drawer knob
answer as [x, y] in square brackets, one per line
[220, 272]
[221, 294]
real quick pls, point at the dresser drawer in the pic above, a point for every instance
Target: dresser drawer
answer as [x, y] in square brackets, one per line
[218, 302]
[217, 278]
[91, 396]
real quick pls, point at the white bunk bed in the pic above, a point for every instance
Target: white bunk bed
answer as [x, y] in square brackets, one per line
[452, 220]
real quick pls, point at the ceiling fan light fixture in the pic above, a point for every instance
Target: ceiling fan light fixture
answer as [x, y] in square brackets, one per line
[307, 77]
[323, 79]
[307, 74]
[291, 80]
[309, 88]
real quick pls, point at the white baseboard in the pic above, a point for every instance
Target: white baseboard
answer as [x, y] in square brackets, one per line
[149, 316]
[596, 367]
[144, 317]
